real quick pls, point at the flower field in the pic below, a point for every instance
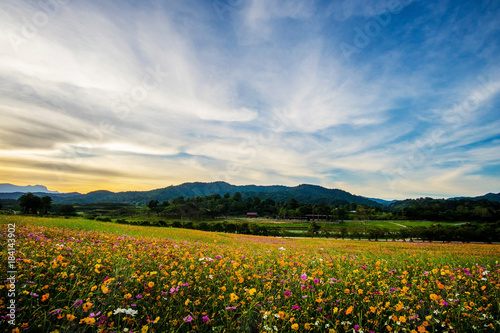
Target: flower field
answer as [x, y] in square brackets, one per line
[117, 280]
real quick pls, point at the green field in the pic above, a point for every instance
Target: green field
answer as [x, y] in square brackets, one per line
[77, 275]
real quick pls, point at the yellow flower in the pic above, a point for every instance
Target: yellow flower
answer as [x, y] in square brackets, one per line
[360, 291]
[70, 317]
[252, 291]
[88, 321]
[187, 302]
[233, 297]
[93, 288]
[105, 289]
[156, 320]
[144, 329]
[151, 284]
[127, 296]
[295, 327]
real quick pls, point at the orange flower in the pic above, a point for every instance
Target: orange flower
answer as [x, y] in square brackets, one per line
[295, 327]
[307, 326]
[87, 306]
[70, 317]
[151, 284]
[45, 297]
[349, 310]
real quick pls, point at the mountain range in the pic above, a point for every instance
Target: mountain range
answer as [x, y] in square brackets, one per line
[303, 193]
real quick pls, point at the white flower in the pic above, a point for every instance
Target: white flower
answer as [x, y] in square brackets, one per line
[131, 312]
[125, 329]
[276, 315]
[282, 249]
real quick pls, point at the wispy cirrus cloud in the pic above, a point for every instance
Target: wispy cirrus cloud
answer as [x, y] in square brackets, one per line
[124, 95]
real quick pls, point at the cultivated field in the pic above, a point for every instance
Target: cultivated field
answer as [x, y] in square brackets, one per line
[75, 275]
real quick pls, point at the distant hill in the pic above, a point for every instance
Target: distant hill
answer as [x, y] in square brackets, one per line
[303, 193]
[10, 188]
[400, 204]
[489, 196]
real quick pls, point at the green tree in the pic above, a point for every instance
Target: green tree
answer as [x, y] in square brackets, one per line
[29, 203]
[45, 204]
[313, 229]
[67, 210]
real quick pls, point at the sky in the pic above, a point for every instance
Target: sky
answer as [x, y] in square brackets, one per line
[388, 99]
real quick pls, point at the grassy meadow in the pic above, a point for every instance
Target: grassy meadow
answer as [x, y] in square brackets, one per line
[76, 275]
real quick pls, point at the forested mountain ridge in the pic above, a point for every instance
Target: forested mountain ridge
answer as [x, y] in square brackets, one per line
[303, 193]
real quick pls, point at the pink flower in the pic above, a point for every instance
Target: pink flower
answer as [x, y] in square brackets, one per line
[304, 277]
[188, 319]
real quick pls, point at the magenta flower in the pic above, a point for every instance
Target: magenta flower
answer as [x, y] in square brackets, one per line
[188, 319]
[296, 307]
[77, 303]
[287, 293]
[304, 277]
[316, 281]
[206, 319]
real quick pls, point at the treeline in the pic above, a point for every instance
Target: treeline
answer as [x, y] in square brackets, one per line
[223, 226]
[438, 210]
[216, 205]
[447, 210]
[464, 233]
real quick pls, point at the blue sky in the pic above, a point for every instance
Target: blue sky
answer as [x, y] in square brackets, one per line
[391, 99]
